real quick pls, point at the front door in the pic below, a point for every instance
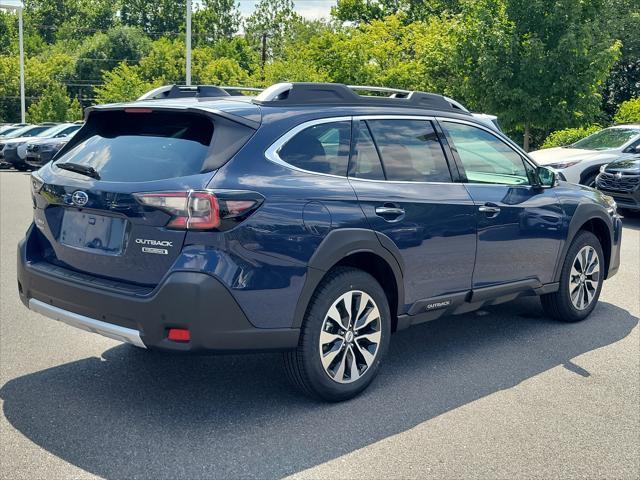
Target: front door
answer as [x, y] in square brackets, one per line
[519, 223]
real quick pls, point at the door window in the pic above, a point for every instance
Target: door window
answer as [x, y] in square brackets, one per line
[485, 158]
[365, 161]
[322, 148]
[410, 150]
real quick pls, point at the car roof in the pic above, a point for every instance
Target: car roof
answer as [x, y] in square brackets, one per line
[313, 100]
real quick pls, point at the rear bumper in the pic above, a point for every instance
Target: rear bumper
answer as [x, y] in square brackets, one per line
[192, 300]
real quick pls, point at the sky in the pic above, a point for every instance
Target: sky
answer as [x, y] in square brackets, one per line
[307, 8]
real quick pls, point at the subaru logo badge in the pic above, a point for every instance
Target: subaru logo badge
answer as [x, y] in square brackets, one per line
[619, 176]
[79, 198]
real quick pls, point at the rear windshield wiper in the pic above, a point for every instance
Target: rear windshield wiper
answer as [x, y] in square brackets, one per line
[81, 169]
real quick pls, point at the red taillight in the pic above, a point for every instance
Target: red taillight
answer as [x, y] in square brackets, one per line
[197, 210]
[179, 335]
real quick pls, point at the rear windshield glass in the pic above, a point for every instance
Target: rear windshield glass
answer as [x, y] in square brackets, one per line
[140, 147]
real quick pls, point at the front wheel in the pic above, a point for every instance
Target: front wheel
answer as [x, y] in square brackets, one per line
[580, 281]
[344, 336]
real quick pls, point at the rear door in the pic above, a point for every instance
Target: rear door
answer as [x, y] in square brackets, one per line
[86, 205]
[519, 224]
[405, 187]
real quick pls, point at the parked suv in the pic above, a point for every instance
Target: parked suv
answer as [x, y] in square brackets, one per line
[308, 219]
[621, 180]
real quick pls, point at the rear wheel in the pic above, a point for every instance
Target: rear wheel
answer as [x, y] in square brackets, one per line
[344, 337]
[580, 281]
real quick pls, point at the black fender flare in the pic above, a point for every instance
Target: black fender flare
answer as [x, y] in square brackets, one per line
[584, 213]
[339, 244]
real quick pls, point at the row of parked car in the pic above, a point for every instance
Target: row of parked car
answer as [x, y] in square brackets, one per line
[608, 160]
[25, 147]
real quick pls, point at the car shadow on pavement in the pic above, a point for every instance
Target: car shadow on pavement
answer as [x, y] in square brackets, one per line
[139, 414]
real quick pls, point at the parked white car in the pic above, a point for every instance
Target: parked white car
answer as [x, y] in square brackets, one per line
[581, 161]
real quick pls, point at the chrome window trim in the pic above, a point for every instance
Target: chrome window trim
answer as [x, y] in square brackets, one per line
[272, 152]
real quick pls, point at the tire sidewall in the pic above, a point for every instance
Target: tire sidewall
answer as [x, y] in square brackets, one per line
[582, 240]
[346, 280]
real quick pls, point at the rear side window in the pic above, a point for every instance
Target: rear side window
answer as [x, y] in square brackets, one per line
[365, 162]
[410, 150]
[322, 148]
[138, 147]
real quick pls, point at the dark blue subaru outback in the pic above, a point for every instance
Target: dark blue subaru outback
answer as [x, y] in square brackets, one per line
[311, 219]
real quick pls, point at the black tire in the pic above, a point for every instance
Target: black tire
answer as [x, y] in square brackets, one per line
[304, 366]
[559, 305]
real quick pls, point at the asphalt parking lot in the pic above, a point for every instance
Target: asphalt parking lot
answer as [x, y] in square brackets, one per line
[501, 393]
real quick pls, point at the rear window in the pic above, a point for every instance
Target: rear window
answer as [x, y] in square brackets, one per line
[139, 147]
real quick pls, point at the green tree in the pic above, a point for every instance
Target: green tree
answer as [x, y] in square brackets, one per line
[155, 17]
[567, 136]
[221, 71]
[365, 11]
[536, 64]
[122, 84]
[165, 62]
[60, 19]
[629, 111]
[103, 51]
[215, 20]
[54, 106]
[624, 80]
[272, 21]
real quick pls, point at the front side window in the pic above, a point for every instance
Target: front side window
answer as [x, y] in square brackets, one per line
[485, 158]
[322, 148]
[410, 150]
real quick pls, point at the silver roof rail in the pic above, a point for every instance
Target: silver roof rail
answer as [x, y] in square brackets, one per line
[274, 91]
[456, 104]
[379, 89]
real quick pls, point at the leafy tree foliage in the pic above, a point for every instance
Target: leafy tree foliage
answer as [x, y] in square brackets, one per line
[103, 51]
[538, 63]
[567, 136]
[624, 80]
[122, 84]
[155, 17]
[629, 111]
[215, 20]
[273, 18]
[366, 11]
[54, 105]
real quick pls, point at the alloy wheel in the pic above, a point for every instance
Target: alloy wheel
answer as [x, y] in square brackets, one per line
[350, 336]
[584, 277]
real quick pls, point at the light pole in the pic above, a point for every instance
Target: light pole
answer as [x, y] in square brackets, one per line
[18, 6]
[188, 42]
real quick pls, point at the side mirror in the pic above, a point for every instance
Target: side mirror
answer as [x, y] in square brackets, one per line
[547, 177]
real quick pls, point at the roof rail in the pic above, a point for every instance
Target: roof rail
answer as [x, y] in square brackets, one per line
[340, 94]
[182, 91]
